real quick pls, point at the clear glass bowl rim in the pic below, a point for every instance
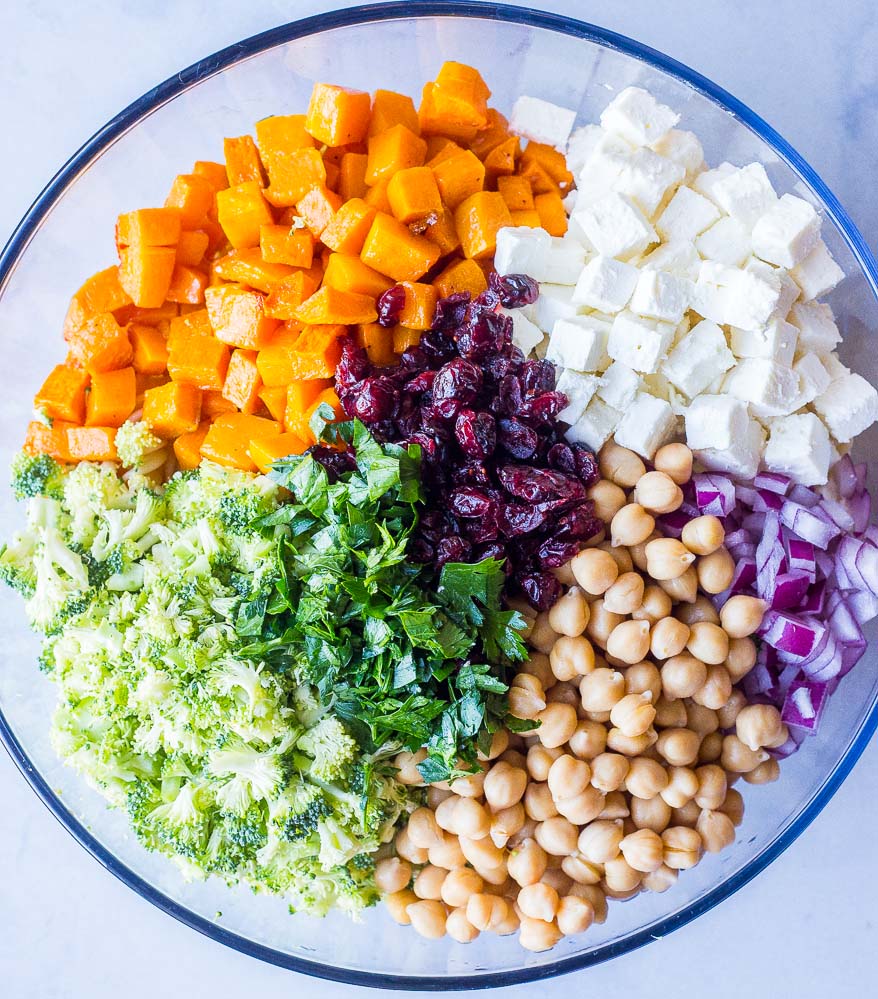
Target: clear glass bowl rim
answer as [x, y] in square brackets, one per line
[365, 14]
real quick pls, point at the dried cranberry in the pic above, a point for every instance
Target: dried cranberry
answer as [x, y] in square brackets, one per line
[514, 290]
[413, 359]
[486, 334]
[452, 549]
[438, 346]
[468, 502]
[486, 301]
[450, 311]
[473, 473]
[335, 462]
[540, 588]
[543, 408]
[586, 465]
[476, 433]
[537, 377]
[579, 523]
[353, 366]
[516, 438]
[555, 552]
[482, 529]
[536, 485]
[562, 458]
[390, 304]
[508, 399]
[523, 518]
[420, 550]
[422, 382]
[456, 384]
[371, 401]
[498, 367]
[491, 549]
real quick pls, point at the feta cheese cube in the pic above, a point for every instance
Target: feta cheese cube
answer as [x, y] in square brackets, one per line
[799, 446]
[527, 336]
[746, 193]
[619, 385]
[776, 341]
[595, 425]
[735, 297]
[742, 458]
[686, 215]
[683, 148]
[676, 257]
[699, 358]
[579, 343]
[789, 290]
[814, 379]
[817, 274]
[787, 232]
[601, 171]
[834, 366]
[616, 227]
[646, 425]
[770, 388]
[660, 295]
[639, 343]
[716, 421]
[581, 145]
[555, 302]
[563, 263]
[638, 117]
[727, 241]
[521, 250]
[542, 121]
[705, 183]
[847, 407]
[816, 324]
[647, 177]
[605, 284]
[579, 389]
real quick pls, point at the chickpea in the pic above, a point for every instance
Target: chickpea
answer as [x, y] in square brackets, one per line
[712, 786]
[538, 802]
[457, 886]
[700, 719]
[620, 556]
[557, 836]
[564, 575]
[711, 748]
[595, 895]
[538, 935]
[506, 822]
[629, 641]
[583, 808]
[675, 460]
[740, 759]
[539, 901]
[620, 465]
[542, 636]
[407, 764]
[459, 928]
[428, 918]
[642, 678]
[602, 623]
[715, 571]
[679, 746]
[727, 715]
[514, 758]
[650, 813]
[626, 594]
[646, 778]
[481, 853]
[423, 829]
[717, 831]
[486, 911]
[589, 740]
[708, 642]
[742, 658]
[601, 690]
[500, 738]
[557, 879]
[655, 606]
[540, 760]
[504, 786]
[568, 777]
[667, 558]
[658, 493]
[782, 737]
[571, 656]
[599, 841]
[757, 725]
[581, 871]
[765, 773]
[682, 675]
[557, 723]
[508, 925]
[436, 794]
[703, 535]
[620, 876]
[643, 850]
[428, 883]
[670, 714]
[407, 849]
[733, 806]
[634, 714]
[539, 667]
[397, 905]
[660, 880]
[526, 832]
[607, 498]
[447, 854]
[527, 863]
[668, 638]
[683, 589]
[392, 874]
[682, 787]
[741, 615]
[570, 614]
[637, 553]
[687, 815]
[717, 689]
[575, 915]
[471, 786]
[682, 847]
[608, 771]
[628, 745]
[495, 879]
[632, 525]
[526, 696]
[564, 692]
[701, 610]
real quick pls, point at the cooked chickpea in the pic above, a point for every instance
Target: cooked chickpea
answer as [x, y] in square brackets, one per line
[670, 713]
[594, 894]
[715, 571]
[581, 871]
[537, 666]
[599, 841]
[626, 594]
[711, 748]
[514, 757]
[632, 525]
[642, 678]
[470, 819]
[506, 823]
[678, 746]
[741, 615]
[407, 849]
[564, 692]
[574, 915]
[660, 880]
[392, 874]
[601, 690]
[569, 615]
[700, 610]
[539, 901]
[620, 876]
[422, 828]
[682, 847]
[397, 905]
[712, 786]
[538, 935]
[650, 813]
[634, 714]
[607, 498]
[667, 558]
[583, 807]
[637, 553]
[602, 623]
[717, 688]
[708, 642]
[717, 831]
[526, 696]
[682, 675]
[486, 911]
[608, 771]
[589, 740]
[655, 606]
[675, 460]
[504, 785]
[568, 776]
[525, 833]
[682, 787]
[727, 715]
[427, 918]
[646, 778]
[447, 854]
[482, 853]
[457, 886]
[620, 556]
[733, 806]
[683, 589]
[700, 719]
[459, 928]
[757, 725]
[564, 575]
[408, 767]
[527, 863]
[629, 745]
[571, 656]
[703, 535]
[471, 786]
[643, 850]
[557, 724]
[742, 658]
[557, 836]
[500, 738]
[686, 815]
[540, 760]
[437, 794]
[557, 879]
[658, 493]
[668, 638]
[629, 641]
[538, 802]
[542, 636]
[620, 465]
[428, 883]
[766, 773]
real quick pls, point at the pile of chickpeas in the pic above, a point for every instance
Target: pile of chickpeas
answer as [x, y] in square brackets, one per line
[642, 733]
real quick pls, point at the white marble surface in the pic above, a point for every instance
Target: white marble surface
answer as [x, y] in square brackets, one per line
[805, 927]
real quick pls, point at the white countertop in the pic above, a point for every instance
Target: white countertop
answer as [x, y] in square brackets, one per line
[803, 928]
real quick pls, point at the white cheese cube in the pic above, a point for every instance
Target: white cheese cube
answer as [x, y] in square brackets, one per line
[527, 336]
[638, 117]
[787, 232]
[799, 446]
[746, 193]
[581, 145]
[600, 173]
[605, 284]
[563, 263]
[579, 343]
[742, 458]
[619, 385]
[735, 297]
[616, 227]
[727, 241]
[676, 257]
[789, 290]
[716, 421]
[595, 425]
[770, 388]
[814, 379]
[686, 215]
[555, 302]
[699, 358]
[817, 274]
[705, 183]
[776, 341]
[579, 389]
[647, 178]
[847, 407]
[683, 148]
[639, 343]
[834, 366]
[522, 250]
[816, 324]
[646, 425]
[542, 121]
[660, 295]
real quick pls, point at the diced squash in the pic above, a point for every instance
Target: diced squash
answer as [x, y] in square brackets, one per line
[442, 232]
[194, 196]
[172, 409]
[468, 79]
[413, 194]
[187, 285]
[331, 305]
[228, 439]
[214, 173]
[419, 305]
[550, 209]
[397, 148]
[516, 192]
[102, 292]
[148, 317]
[274, 398]
[317, 352]
[278, 134]
[150, 348]
[337, 115]
[403, 338]
[390, 108]
[317, 208]
[287, 295]
[280, 244]
[352, 176]
[458, 176]
[191, 247]
[274, 362]
[92, 443]
[501, 159]
[440, 147]
[242, 382]
[528, 217]
[392, 249]
[187, 447]
[293, 175]
[461, 275]
[242, 160]
[536, 175]
[328, 397]
[377, 341]
[347, 231]
[62, 395]
[495, 132]
[199, 361]
[241, 210]
[550, 160]
[376, 197]
[193, 324]
[348, 273]
[43, 439]
[477, 220]
[145, 382]
[248, 267]
[237, 316]
[149, 227]
[112, 398]
[101, 344]
[145, 273]
[301, 394]
[444, 112]
[214, 404]
[268, 450]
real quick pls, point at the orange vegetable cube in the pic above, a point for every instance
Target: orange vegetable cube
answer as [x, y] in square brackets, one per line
[442, 232]
[238, 316]
[242, 382]
[187, 285]
[112, 398]
[101, 344]
[477, 220]
[377, 341]
[376, 197]
[199, 361]
[419, 305]
[280, 133]
[403, 338]
[228, 439]
[92, 443]
[395, 149]
[194, 195]
[102, 292]
[145, 382]
[242, 160]
[187, 447]
[274, 398]
[337, 115]
[214, 173]
[148, 317]
[440, 147]
[289, 293]
[293, 175]
[550, 209]
[468, 77]
[318, 207]
[456, 104]
[275, 362]
[268, 450]
[413, 194]
[150, 348]
[394, 250]
[527, 217]
[317, 352]
[347, 231]
[458, 176]
[241, 210]
[349, 273]
[516, 193]
[62, 396]
[214, 404]
[390, 108]
[149, 226]
[145, 273]
[501, 159]
[352, 176]
[495, 132]
[191, 247]
[461, 275]
[552, 162]
[301, 394]
[248, 267]
[193, 324]
[279, 244]
[331, 305]
[172, 409]
[43, 439]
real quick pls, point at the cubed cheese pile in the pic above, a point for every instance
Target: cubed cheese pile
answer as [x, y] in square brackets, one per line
[683, 301]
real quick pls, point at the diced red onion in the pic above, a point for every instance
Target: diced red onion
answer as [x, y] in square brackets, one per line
[844, 475]
[745, 574]
[807, 524]
[773, 481]
[860, 508]
[803, 496]
[800, 555]
[863, 605]
[804, 704]
[767, 500]
[837, 513]
[790, 589]
[714, 494]
[672, 524]
[790, 634]
[813, 601]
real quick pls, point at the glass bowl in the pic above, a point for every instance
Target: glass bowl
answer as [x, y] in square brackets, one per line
[68, 234]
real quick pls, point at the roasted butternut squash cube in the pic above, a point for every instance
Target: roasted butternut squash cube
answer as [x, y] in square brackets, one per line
[238, 317]
[392, 249]
[112, 398]
[241, 211]
[62, 395]
[338, 115]
[477, 221]
[172, 409]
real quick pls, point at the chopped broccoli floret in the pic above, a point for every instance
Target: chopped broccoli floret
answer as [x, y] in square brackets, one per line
[36, 475]
[134, 440]
[302, 823]
[333, 750]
